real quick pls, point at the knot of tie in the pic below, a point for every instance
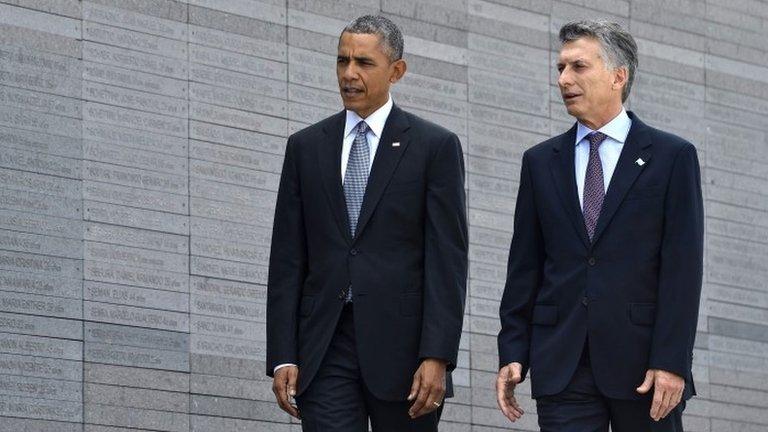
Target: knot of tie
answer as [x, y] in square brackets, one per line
[596, 138]
[362, 128]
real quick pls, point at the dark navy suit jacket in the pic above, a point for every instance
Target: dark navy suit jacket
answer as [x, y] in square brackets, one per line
[407, 265]
[633, 291]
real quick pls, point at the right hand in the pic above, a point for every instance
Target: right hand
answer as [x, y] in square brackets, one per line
[284, 388]
[509, 376]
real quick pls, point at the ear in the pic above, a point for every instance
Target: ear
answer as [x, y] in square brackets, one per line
[620, 78]
[398, 70]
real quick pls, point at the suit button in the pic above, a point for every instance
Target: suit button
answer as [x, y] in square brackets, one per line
[584, 300]
[353, 252]
[591, 261]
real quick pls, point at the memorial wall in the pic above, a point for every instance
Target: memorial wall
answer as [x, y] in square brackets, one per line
[141, 143]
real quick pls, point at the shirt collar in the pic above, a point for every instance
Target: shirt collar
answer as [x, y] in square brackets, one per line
[375, 121]
[616, 129]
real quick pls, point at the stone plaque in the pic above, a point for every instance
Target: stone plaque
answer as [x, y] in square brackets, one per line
[134, 21]
[134, 99]
[134, 158]
[136, 237]
[133, 119]
[136, 357]
[140, 317]
[41, 409]
[129, 59]
[226, 289]
[236, 118]
[133, 217]
[40, 142]
[228, 308]
[134, 296]
[134, 178]
[136, 337]
[230, 251]
[41, 284]
[11, 364]
[130, 256]
[237, 137]
[40, 346]
[135, 138]
[229, 328]
[231, 212]
[41, 388]
[42, 102]
[136, 276]
[227, 347]
[106, 74]
[109, 35]
[237, 81]
[228, 270]
[236, 175]
[51, 266]
[40, 244]
[39, 325]
[128, 196]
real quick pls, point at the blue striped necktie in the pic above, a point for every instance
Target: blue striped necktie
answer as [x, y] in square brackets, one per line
[356, 179]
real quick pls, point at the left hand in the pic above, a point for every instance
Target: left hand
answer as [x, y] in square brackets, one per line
[428, 388]
[667, 391]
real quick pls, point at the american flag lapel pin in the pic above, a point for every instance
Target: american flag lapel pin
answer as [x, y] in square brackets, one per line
[396, 144]
[640, 162]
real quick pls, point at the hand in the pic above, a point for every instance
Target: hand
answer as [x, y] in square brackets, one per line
[509, 377]
[284, 388]
[428, 388]
[667, 391]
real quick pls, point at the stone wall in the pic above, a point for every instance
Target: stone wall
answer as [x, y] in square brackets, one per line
[141, 144]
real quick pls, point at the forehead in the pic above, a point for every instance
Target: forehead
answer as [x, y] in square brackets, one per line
[360, 43]
[585, 48]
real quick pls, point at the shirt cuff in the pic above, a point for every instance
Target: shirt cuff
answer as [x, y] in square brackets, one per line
[281, 366]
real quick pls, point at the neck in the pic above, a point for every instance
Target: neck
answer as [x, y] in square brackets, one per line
[598, 121]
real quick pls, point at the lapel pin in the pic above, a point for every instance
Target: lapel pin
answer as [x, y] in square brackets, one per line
[640, 162]
[395, 144]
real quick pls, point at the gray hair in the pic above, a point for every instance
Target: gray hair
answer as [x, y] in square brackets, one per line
[390, 34]
[618, 46]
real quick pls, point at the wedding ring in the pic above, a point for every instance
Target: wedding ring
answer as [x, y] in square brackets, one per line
[437, 404]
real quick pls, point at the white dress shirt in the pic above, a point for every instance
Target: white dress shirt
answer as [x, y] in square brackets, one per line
[376, 122]
[610, 150]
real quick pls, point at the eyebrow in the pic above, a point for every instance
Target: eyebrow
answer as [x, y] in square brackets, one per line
[356, 58]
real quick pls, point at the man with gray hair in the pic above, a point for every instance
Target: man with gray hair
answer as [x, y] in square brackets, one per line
[368, 268]
[605, 266]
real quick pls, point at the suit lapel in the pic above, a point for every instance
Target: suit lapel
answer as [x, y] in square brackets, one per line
[564, 175]
[637, 146]
[384, 163]
[329, 158]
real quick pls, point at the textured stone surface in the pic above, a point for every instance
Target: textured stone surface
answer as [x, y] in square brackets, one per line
[141, 144]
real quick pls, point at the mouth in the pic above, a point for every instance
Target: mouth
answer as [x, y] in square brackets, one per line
[570, 97]
[350, 91]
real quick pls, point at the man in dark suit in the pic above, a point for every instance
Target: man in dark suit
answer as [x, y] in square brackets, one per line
[368, 267]
[605, 266]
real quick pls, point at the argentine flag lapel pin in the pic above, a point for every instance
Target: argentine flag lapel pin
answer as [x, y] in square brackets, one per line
[640, 162]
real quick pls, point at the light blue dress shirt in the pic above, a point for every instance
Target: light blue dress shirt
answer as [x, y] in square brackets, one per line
[610, 150]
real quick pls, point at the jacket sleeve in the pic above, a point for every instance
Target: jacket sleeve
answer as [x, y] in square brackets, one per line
[287, 267]
[681, 268]
[524, 273]
[445, 254]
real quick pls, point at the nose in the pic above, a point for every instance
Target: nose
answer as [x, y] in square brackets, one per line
[349, 72]
[564, 79]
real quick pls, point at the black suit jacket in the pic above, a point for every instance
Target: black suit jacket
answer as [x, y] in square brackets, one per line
[407, 265]
[634, 290]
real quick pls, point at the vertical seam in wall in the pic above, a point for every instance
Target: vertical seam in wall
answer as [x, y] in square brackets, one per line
[189, 231]
[82, 231]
